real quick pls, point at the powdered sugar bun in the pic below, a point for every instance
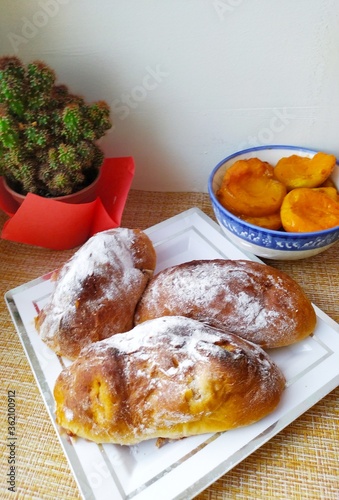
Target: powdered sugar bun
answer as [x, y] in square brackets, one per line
[253, 300]
[97, 290]
[169, 377]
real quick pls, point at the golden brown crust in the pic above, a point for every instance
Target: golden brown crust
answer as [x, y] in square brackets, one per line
[170, 377]
[97, 291]
[253, 300]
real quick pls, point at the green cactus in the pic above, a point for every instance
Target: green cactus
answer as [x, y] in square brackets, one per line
[47, 135]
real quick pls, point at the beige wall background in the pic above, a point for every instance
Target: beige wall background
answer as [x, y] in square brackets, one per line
[190, 81]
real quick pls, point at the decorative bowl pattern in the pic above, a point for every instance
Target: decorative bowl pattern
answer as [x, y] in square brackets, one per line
[277, 245]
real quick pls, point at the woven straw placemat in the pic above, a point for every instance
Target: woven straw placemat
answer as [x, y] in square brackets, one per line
[301, 462]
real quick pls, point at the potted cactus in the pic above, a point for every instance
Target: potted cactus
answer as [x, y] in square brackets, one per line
[48, 136]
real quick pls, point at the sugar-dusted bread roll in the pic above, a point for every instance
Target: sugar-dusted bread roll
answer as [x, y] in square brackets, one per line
[97, 290]
[259, 303]
[170, 377]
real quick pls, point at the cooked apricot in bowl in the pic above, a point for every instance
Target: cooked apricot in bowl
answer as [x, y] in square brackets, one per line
[301, 172]
[295, 195]
[306, 209]
[249, 188]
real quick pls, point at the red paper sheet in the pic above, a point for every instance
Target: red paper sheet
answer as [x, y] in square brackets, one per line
[59, 226]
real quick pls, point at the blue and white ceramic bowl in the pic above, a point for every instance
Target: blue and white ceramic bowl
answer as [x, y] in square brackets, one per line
[276, 245]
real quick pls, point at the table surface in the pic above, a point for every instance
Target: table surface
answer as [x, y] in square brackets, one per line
[301, 462]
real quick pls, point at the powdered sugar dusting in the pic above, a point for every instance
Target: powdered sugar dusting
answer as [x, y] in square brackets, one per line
[171, 372]
[234, 294]
[108, 250]
[68, 414]
[187, 341]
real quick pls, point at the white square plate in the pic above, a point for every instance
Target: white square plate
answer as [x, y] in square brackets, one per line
[182, 469]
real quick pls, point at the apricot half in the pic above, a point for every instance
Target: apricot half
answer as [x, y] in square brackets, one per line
[305, 210]
[249, 188]
[299, 171]
[272, 221]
